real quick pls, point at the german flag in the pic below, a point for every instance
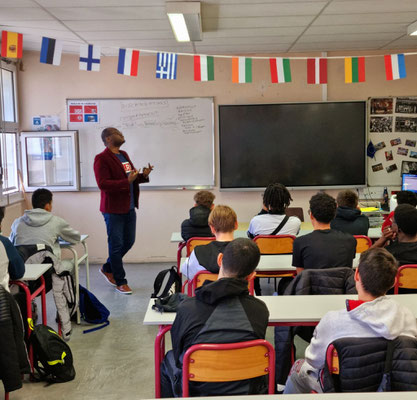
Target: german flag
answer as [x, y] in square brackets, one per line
[11, 44]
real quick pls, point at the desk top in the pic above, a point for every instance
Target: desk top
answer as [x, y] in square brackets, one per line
[64, 243]
[291, 308]
[34, 271]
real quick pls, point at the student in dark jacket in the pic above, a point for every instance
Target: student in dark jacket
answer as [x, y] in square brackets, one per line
[197, 225]
[349, 218]
[221, 312]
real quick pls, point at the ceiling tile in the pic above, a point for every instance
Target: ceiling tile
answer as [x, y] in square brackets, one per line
[331, 46]
[365, 28]
[370, 6]
[243, 33]
[375, 18]
[39, 32]
[210, 24]
[21, 14]
[122, 35]
[100, 3]
[118, 25]
[348, 37]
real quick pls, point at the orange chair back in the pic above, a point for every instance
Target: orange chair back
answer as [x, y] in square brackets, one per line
[201, 276]
[228, 362]
[275, 244]
[197, 241]
[406, 277]
[362, 243]
[332, 359]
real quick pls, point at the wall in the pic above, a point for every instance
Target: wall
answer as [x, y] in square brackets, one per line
[43, 89]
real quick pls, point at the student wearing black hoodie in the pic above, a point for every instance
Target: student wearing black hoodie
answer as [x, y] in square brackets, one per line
[349, 218]
[197, 225]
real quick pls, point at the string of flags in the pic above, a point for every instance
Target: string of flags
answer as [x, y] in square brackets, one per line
[166, 63]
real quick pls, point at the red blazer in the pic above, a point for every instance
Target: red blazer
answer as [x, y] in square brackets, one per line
[113, 183]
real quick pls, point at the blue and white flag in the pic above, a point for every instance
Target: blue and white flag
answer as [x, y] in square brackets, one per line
[166, 66]
[89, 57]
[51, 51]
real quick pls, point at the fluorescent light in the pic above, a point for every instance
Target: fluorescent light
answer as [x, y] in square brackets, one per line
[412, 29]
[179, 27]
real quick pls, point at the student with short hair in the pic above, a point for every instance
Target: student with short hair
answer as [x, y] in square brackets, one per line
[324, 247]
[221, 312]
[276, 199]
[197, 225]
[11, 264]
[349, 218]
[372, 315]
[403, 197]
[223, 222]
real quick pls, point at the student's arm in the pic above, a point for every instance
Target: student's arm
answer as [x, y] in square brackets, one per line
[67, 233]
[12, 236]
[299, 270]
[387, 234]
[297, 257]
[104, 178]
[191, 267]
[16, 264]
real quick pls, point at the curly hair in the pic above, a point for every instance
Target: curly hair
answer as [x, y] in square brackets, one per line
[323, 207]
[276, 198]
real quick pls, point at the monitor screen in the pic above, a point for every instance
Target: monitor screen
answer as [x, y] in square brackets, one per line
[409, 182]
[297, 144]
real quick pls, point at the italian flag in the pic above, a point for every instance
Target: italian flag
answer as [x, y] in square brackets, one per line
[316, 70]
[354, 69]
[11, 44]
[280, 70]
[395, 67]
[203, 68]
[241, 70]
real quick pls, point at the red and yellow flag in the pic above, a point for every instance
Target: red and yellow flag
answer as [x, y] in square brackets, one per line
[11, 44]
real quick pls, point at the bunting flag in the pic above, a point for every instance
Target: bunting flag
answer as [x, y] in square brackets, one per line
[241, 70]
[316, 70]
[51, 51]
[280, 70]
[203, 68]
[11, 44]
[395, 67]
[89, 57]
[128, 62]
[166, 66]
[354, 69]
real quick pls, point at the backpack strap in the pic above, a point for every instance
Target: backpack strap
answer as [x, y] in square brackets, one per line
[279, 227]
[158, 283]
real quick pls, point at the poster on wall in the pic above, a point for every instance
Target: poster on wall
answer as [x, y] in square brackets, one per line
[46, 123]
[83, 111]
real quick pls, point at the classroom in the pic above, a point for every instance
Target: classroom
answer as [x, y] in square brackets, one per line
[258, 28]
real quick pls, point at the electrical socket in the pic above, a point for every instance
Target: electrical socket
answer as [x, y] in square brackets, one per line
[371, 193]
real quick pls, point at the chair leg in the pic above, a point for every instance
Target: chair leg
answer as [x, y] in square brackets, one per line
[6, 396]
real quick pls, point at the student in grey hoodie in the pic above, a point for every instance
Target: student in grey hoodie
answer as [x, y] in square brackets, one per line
[372, 315]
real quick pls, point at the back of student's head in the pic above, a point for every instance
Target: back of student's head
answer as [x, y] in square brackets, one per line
[240, 258]
[204, 198]
[41, 197]
[347, 198]
[406, 197]
[405, 216]
[223, 219]
[276, 198]
[377, 269]
[323, 207]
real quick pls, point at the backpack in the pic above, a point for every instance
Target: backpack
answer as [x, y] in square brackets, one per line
[52, 357]
[166, 282]
[92, 310]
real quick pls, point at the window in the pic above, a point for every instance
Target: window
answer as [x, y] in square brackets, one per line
[9, 127]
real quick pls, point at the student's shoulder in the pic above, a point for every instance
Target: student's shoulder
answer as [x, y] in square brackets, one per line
[5, 241]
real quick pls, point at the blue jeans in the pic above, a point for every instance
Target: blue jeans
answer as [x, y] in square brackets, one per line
[121, 232]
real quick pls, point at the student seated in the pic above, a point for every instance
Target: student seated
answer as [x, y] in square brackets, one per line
[221, 312]
[197, 225]
[401, 238]
[349, 218]
[11, 264]
[403, 197]
[324, 247]
[372, 315]
[272, 219]
[223, 222]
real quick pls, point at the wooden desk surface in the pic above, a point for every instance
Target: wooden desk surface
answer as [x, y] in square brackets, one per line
[291, 309]
[34, 271]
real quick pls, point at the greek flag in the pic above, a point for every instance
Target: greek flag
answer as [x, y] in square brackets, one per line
[166, 66]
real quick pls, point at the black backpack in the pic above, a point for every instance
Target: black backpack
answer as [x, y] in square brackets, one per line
[52, 357]
[166, 282]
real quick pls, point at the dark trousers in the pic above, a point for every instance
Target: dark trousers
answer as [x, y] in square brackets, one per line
[121, 232]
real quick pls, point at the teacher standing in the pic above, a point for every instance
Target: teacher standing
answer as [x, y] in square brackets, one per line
[118, 181]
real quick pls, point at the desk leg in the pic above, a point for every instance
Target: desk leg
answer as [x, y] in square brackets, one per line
[77, 281]
[87, 265]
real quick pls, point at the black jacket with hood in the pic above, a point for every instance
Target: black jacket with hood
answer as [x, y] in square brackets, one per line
[197, 224]
[350, 220]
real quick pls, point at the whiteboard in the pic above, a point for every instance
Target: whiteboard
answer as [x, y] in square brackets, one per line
[176, 135]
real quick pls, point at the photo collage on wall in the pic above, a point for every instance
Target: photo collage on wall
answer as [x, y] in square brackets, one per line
[394, 115]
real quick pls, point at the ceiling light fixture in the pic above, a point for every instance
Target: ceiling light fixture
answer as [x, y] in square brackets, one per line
[185, 19]
[412, 29]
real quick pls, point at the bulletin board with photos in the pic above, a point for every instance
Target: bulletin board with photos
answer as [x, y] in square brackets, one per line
[392, 128]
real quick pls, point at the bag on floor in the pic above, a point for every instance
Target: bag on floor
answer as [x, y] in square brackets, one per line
[52, 357]
[92, 310]
[167, 282]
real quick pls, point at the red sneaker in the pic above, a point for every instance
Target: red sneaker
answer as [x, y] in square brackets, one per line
[108, 276]
[124, 289]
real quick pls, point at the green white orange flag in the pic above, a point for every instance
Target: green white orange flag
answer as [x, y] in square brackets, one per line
[354, 69]
[203, 68]
[241, 70]
[280, 70]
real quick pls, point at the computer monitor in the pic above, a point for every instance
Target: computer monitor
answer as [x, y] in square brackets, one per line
[409, 182]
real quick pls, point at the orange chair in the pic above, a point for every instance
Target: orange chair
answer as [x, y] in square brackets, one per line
[363, 243]
[228, 362]
[406, 277]
[189, 245]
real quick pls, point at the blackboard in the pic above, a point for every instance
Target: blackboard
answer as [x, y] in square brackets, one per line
[173, 134]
